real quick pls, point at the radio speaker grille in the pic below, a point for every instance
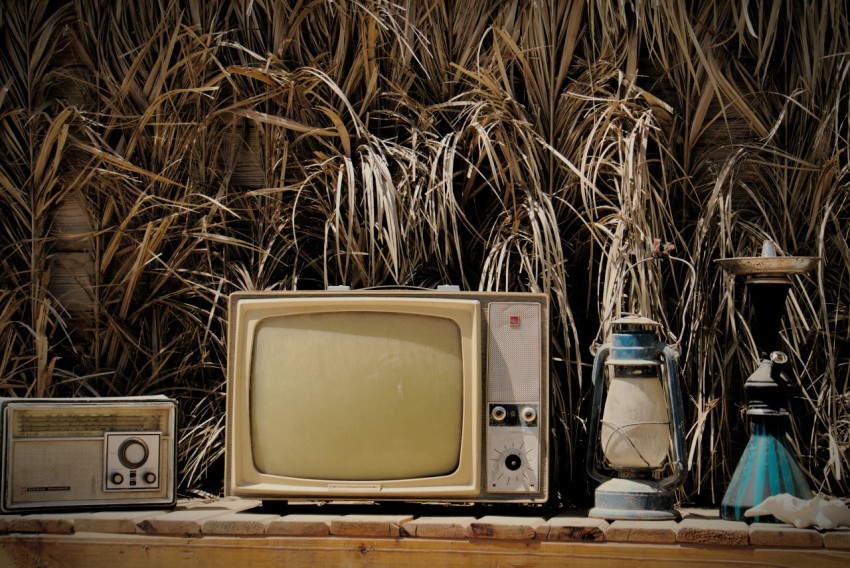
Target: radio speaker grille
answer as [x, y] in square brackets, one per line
[40, 424]
[513, 354]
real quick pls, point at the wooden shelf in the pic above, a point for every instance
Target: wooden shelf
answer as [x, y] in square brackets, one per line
[235, 532]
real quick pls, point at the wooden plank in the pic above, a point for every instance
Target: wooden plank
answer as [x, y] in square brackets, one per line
[113, 521]
[767, 534]
[188, 521]
[502, 527]
[837, 539]
[369, 525]
[713, 531]
[137, 551]
[656, 532]
[51, 523]
[573, 527]
[238, 524]
[437, 527]
[301, 525]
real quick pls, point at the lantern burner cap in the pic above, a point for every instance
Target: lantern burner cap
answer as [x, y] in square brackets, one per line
[634, 322]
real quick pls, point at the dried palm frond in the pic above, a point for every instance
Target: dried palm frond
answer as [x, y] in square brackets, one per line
[36, 175]
[603, 153]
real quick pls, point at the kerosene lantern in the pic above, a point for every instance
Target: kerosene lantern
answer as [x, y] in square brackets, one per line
[768, 466]
[639, 431]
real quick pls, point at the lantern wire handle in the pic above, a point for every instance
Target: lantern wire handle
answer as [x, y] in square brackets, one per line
[629, 269]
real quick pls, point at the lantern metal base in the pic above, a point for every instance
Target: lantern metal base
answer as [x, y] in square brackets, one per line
[633, 499]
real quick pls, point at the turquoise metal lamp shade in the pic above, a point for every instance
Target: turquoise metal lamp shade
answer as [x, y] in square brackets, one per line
[767, 467]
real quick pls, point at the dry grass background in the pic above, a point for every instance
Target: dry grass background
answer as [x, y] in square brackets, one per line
[513, 145]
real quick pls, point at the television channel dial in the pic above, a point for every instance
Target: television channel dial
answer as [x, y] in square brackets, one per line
[513, 448]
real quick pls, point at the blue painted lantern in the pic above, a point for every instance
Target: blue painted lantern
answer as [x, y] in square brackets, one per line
[636, 425]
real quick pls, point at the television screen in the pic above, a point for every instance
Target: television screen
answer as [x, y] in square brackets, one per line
[381, 393]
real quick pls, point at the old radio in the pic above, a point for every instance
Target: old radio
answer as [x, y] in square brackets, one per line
[87, 452]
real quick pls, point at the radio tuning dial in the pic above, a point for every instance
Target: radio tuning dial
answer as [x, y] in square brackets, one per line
[133, 453]
[149, 477]
[498, 413]
[117, 478]
[529, 415]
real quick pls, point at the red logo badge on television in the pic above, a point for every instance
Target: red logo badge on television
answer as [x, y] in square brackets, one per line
[513, 320]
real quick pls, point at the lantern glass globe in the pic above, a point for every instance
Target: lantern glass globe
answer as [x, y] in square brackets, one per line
[635, 425]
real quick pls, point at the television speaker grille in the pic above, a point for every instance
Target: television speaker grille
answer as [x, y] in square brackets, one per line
[513, 352]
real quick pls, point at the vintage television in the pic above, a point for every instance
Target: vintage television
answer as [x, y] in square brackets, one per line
[87, 453]
[422, 396]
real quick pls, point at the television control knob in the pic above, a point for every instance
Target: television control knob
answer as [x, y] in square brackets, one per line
[498, 413]
[116, 478]
[133, 453]
[513, 462]
[529, 415]
[149, 477]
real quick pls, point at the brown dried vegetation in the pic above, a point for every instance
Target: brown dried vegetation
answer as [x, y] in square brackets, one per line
[209, 147]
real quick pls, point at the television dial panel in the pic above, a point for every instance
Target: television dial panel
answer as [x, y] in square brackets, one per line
[514, 398]
[514, 448]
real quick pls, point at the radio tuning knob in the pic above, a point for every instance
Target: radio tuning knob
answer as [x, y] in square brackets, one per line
[149, 477]
[529, 415]
[133, 453]
[498, 413]
[117, 478]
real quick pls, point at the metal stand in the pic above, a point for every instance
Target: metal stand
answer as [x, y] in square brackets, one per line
[768, 466]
